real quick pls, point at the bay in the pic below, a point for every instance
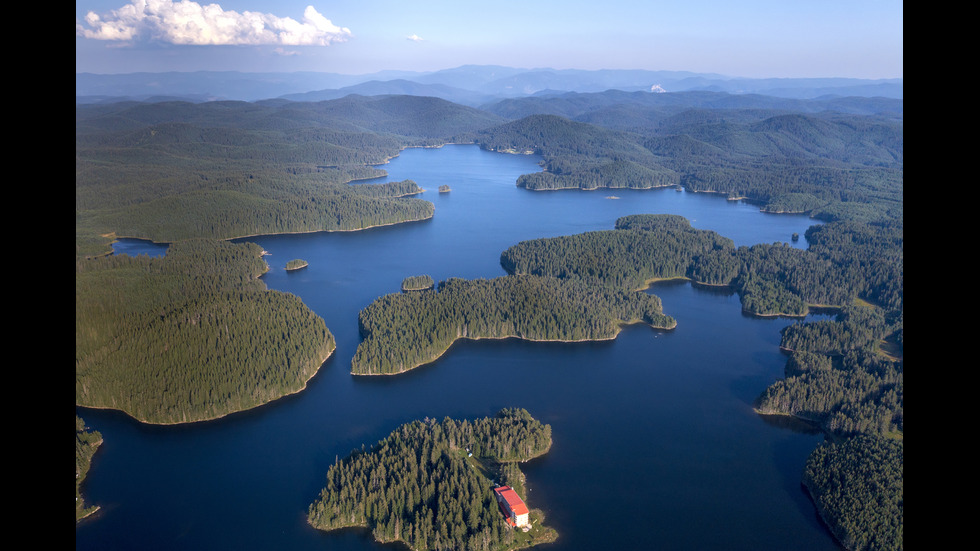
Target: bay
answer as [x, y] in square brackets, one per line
[655, 441]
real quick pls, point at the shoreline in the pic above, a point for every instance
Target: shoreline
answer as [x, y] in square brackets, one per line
[118, 237]
[222, 416]
[95, 509]
[599, 188]
[619, 329]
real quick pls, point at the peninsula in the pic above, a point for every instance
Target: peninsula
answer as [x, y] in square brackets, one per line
[403, 331]
[208, 337]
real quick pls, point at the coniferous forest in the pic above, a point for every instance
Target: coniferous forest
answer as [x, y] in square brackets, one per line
[418, 283]
[195, 335]
[844, 263]
[405, 330]
[429, 484]
[190, 336]
[857, 486]
[841, 374]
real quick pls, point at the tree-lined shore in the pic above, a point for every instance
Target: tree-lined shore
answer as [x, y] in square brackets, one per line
[195, 335]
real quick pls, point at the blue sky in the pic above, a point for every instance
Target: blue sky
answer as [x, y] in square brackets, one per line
[748, 38]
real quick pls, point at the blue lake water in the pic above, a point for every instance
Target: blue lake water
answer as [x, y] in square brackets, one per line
[655, 441]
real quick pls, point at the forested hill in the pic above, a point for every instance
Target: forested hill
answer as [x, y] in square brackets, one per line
[415, 117]
[177, 170]
[579, 155]
[605, 108]
[467, 83]
[833, 159]
[830, 165]
[409, 116]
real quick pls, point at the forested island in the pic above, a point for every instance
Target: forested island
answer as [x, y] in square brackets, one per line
[296, 264]
[418, 283]
[403, 331]
[429, 484]
[194, 335]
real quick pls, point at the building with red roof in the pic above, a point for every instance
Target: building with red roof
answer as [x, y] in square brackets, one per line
[513, 507]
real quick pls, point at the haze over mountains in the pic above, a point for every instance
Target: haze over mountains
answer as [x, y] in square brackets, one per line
[473, 85]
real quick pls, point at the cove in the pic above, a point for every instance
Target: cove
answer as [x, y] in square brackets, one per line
[655, 441]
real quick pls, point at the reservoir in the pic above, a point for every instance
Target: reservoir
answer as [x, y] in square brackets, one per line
[655, 445]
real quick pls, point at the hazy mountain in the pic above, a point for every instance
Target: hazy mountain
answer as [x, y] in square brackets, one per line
[215, 85]
[467, 84]
[644, 112]
[397, 87]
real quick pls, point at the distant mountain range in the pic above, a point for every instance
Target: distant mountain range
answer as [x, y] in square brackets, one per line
[472, 85]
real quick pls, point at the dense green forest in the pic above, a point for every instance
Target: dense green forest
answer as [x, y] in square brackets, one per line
[641, 249]
[846, 261]
[87, 442]
[858, 488]
[841, 374]
[194, 335]
[190, 336]
[402, 331]
[176, 170]
[420, 485]
[832, 165]
[838, 377]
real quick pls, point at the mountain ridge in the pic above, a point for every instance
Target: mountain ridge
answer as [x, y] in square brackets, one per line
[482, 83]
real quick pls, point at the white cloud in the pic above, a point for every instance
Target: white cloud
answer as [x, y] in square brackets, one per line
[414, 38]
[190, 23]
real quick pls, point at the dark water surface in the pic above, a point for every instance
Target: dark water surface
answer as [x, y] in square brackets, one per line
[655, 442]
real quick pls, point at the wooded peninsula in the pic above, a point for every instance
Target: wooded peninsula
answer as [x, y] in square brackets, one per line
[195, 335]
[192, 336]
[405, 330]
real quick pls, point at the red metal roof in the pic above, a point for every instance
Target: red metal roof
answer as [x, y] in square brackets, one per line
[513, 500]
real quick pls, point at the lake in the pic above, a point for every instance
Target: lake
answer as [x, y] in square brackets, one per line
[655, 441]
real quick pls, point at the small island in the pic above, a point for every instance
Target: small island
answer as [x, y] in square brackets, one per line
[444, 188]
[418, 283]
[428, 485]
[296, 264]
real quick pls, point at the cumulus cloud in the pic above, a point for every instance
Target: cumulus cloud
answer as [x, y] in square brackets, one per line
[189, 23]
[414, 38]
